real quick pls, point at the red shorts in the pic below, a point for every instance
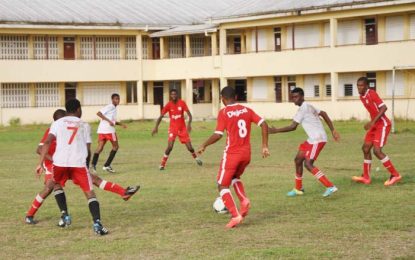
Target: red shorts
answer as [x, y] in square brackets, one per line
[79, 175]
[378, 135]
[232, 166]
[108, 137]
[311, 151]
[182, 134]
[48, 170]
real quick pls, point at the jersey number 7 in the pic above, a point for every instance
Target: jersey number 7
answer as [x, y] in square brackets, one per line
[75, 130]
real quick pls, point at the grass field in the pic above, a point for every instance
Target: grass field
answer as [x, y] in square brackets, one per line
[172, 216]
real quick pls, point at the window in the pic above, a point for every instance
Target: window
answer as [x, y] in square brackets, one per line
[15, 95]
[70, 91]
[258, 40]
[177, 85]
[197, 45]
[131, 48]
[237, 44]
[412, 27]
[107, 48]
[348, 90]
[277, 39]
[394, 28]
[145, 92]
[176, 47]
[328, 90]
[45, 47]
[348, 32]
[14, 47]
[291, 85]
[278, 89]
[155, 42]
[307, 36]
[132, 92]
[198, 91]
[371, 76]
[87, 48]
[327, 34]
[259, 88]
[316, 90]
[99, 93]
[47, 95]
[311, 86]
[145, 47]
[371, 31]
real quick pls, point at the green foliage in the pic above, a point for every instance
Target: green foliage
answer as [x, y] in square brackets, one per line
[14, 122]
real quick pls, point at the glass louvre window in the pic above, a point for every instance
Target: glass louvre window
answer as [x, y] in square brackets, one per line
[130, 48]
[15, 95]
[45, 47]
[47, 95]
[14, 47]
[176, 47]
[197, 45]
[107, 48]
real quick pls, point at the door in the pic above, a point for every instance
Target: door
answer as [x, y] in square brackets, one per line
[70, 91]
[237, 44]
[69, 48]
[156, 48]
[240, 90]
[158, 96]
[371, 31]
[291, 86]
[277, 38]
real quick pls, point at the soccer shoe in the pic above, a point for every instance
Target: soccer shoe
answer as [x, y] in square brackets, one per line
[199, 161]
[65, 221]
[234, 221]
[99, 229]
[30, 220]
[330, 191]
[130, 191]
[392, 180]
[294, 192]
[361, 179]
[161, 168]
[108, 169]
[245, 206]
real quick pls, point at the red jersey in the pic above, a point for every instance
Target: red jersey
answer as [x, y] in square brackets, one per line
[236, 120]
[52, 146]
[176, 113]
[372, 103]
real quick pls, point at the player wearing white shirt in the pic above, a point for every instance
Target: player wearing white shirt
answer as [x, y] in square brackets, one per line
[69, 159]
[309, 117]
[106, 132]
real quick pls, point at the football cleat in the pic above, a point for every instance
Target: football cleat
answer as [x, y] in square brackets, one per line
[199, 161]
[245, 206]
[130, 191]
[392, 180]
[234, 221]
[99, 229]
[361, 179]
[30, 220]
[108, 169]
[161, 168]
[329, 191]
[294, 192]
[65, 221]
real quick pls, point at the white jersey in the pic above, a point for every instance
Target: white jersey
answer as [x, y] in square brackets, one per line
[110, 112]
[71, 139]
[308, 117]
[88, 132]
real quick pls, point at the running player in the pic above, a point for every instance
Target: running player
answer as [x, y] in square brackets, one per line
[70, 157]
[377, 134]
[106, 132]
[177, 128]
[236, 120]
[309, 117]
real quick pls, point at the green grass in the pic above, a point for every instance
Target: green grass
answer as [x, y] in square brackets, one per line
[172, 216]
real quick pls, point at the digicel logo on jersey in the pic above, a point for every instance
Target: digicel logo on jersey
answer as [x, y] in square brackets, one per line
[237, 112]
[175, 117]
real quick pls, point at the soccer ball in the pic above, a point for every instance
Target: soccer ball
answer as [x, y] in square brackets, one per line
[219, 206]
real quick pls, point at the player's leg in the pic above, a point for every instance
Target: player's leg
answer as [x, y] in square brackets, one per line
[298, 161]
[367, 159]
[37, 202]
[114, 187]
[245, 203]
[379, 142]
[60, 176]
[192, 151]
[170, 145]
[107, 166]
[100, 147]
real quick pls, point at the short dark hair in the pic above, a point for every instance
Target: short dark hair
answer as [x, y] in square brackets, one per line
[364, 80]
[298, 90]
[114, 95]
[228, 92]
[72, 105]
[59, 113]
[173, 90]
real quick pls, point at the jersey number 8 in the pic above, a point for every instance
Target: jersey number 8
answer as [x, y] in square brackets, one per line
[242, 128]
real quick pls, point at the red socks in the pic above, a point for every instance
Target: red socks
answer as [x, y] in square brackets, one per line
[37, 202]
[239, 189]
[389, 166]
[366, 168]
[321, 177]
[164, 160]
[229, 202]
[113, 187]
[298, 181]
[194, 155]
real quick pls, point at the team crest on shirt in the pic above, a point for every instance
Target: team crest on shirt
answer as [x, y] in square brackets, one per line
[175, 117]
[180, 108]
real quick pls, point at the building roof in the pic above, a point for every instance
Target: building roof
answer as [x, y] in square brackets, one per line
[125, 13]
[264, 7]
[186, 29]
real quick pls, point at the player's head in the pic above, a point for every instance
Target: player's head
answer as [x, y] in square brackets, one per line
[115, 98]
[228, 95]
[59, 113]
[297, 95]
[173, 95]
[73, 107]
[362, 85]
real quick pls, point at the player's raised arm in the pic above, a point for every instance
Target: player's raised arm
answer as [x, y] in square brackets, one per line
[274, 130]
[329, 123]
[265, 149]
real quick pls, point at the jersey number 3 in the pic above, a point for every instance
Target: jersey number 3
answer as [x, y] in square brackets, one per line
[242, 128]
[74, 131]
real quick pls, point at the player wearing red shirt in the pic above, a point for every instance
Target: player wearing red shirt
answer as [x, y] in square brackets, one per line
[236, 120]
[376, 136]
[177, 128]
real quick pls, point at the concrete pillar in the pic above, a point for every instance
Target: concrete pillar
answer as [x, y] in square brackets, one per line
[163, 50]
[77, 47]
[140, 102]
[61, 86]
[166, 94]
[150, 92]
[243, 43]
[334, 81]
[32, 95]
[215, 97]
[222, 41]
[60, 47]
[183, 90]
[139, 51]
[188, 47]
[208, 88]
[333, 32]
[123, 93]
[214, 40]
[189, 94]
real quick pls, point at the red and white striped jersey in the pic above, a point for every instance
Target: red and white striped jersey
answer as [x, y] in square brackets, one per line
[372, 103]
